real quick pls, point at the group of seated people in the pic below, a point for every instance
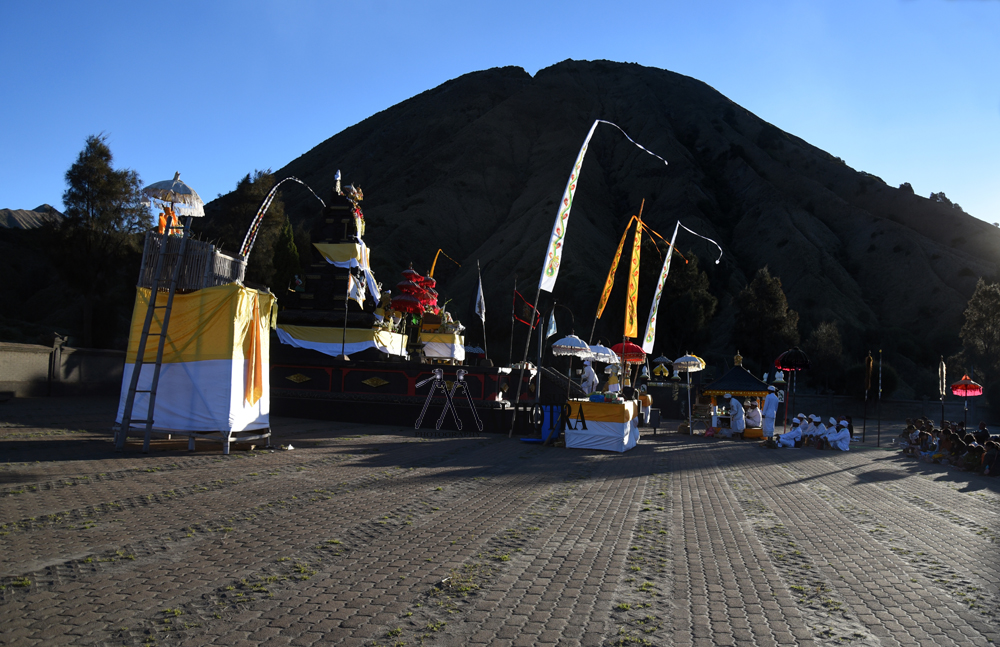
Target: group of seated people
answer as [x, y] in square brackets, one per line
[811, 431]
[951, 444]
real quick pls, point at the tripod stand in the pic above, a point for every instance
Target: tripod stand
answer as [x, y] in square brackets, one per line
[439, 383]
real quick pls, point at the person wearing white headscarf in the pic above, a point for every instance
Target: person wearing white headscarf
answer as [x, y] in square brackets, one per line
[753, 415]
[820, 431]
[737, 417]
[770, 412]
[808, 426]
[840, 438]
[788, 438]
[590, 380]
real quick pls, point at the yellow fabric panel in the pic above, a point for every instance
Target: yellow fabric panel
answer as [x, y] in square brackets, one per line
[208, 324]
[646, 400]
[325, 335]
[442, 338]
[340, 252]
[605, 411]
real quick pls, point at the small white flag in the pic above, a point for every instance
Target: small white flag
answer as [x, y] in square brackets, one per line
[552, 325]
[480, 301]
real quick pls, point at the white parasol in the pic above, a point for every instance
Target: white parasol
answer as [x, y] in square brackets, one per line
[572, 346]
[177, 192]
[604, 354]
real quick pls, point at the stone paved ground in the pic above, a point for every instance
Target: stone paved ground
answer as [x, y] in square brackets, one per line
[368, 535]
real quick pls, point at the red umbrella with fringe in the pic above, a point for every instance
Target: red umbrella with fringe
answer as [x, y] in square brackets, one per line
[629, 353]
[407, 303]
[966, 387]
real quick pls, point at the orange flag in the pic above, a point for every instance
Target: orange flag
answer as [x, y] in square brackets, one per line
[631, 304]
[254, 386]
[610, 283]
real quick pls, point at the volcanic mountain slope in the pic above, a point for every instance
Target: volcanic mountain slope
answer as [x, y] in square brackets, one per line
[476, 166]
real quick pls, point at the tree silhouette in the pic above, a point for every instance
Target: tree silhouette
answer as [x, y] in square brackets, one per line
[981, 332]
[765, 325]
[95, 247]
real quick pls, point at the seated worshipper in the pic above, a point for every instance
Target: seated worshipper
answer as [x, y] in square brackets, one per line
[819, 434]
[590, 380]
[973, 459]
[957, 449]
[754, 418]
[737, 418]
[931, 447]
[808, 428]
[793, 435]
[840, 438]
[991, 459]
[982, 434]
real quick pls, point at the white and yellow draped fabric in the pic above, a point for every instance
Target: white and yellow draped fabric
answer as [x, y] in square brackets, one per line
[331, 341]
[341, 254]
[350, 255]
[612, 427]
[443, 345]
[214, 373]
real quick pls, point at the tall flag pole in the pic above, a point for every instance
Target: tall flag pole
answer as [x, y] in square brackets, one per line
[650, 338]
[513, 320]
[481, 308]
[554, 251]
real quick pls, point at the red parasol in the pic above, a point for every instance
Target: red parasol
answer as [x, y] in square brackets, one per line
[427, 281]
[411, 274]
[632, 354]
[407, 303]
[409, 287]
[966, 387]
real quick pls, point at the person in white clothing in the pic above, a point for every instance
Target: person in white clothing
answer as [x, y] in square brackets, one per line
[794, 434]
[770, 412]
[590, 380]
[820, 431]
[737, 417]
[840, 438]
[753, 415]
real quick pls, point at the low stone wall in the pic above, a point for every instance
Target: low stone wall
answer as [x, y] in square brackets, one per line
[31, 370]
[836, 405]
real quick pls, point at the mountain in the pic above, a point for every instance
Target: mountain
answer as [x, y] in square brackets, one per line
[476, 167]
[24, 219]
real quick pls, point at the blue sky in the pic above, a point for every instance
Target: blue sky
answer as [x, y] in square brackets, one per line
[908, 90]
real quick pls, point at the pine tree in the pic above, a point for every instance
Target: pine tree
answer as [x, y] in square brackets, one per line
[765, 325]
[981, 332]
[95, 245]
[286, 259]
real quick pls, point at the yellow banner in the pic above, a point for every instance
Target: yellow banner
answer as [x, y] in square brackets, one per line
[610, 283]
[631, 303]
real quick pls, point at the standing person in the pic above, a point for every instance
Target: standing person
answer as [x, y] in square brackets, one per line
[590, 380]
[737, 417]
[770, 412]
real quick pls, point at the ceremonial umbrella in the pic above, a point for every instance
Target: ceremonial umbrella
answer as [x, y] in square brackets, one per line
[409, 287]
[966, 388]
[177, 192]
[411, 274]
[793, 360]
[602, 353]
[689, 364]
[571, 346]
[407, 303]
[630, 353]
